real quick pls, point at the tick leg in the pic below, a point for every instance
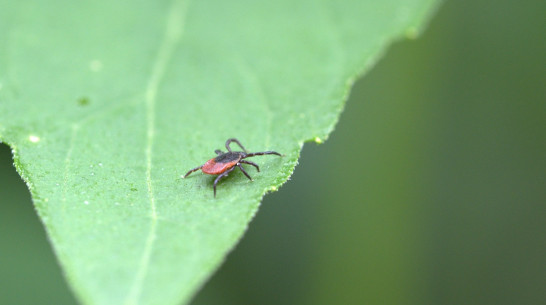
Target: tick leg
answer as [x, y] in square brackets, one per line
[236, 141]
[218, 152]
[244, 172]
[269, 152]
[192, 170]
[250, 163]
[220, 177]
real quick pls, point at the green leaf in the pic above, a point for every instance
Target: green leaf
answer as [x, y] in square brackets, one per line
[107, 103]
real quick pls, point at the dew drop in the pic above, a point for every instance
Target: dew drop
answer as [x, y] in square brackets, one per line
[86, 202]
[95, 65]
[34, 139]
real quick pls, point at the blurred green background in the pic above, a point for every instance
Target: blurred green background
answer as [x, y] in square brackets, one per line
[431, 190]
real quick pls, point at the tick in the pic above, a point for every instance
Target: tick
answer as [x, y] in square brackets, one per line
[226, 162]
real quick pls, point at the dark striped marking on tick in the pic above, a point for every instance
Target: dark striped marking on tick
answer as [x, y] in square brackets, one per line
[226, 162]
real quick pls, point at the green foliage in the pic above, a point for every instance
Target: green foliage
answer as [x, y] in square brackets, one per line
[107, 103]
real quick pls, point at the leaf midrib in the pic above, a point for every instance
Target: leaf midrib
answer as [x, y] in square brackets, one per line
[174, 29]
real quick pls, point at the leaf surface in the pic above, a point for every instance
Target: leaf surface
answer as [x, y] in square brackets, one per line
[107, 103]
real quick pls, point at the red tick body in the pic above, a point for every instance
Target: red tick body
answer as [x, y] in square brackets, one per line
[225, 163]
[222, 163]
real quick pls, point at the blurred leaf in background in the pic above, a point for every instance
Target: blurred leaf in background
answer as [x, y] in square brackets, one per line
[430, 190]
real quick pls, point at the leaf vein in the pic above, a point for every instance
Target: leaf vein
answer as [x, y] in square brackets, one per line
[67, 162]
[173, 32]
